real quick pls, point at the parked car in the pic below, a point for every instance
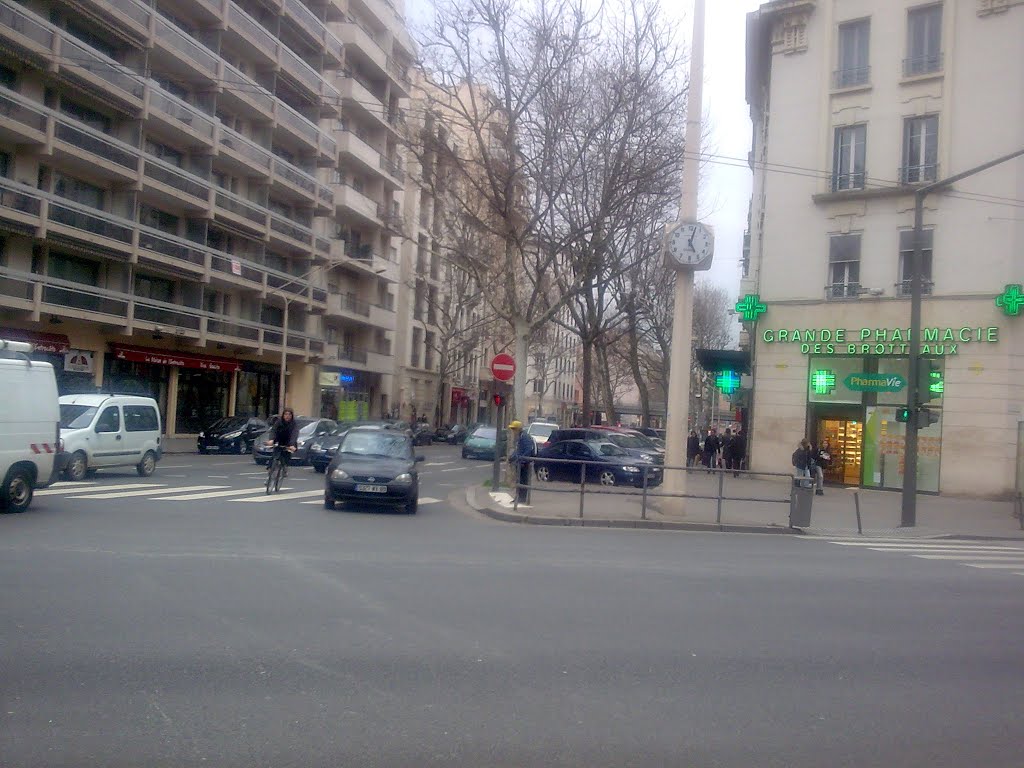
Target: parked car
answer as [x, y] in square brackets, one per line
[457, 434]
[482, 444]
[653, 433]
[422, 434]
[611, 465]
[101, 431]
[308, 429]
[627, 440]
[232, 434]
[323, 448]
[374, 466]
[540, 431]
[30, 456]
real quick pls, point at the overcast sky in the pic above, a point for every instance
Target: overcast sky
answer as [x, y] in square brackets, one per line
[726, 195]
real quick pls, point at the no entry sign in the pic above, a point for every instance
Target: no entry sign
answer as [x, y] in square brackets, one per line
[503, 367]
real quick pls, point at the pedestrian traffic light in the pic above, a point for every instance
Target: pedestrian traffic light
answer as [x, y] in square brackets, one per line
[902, 415]
[929, 380]
[499, 400]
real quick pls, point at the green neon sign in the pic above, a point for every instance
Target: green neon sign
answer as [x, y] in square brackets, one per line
[936, 386]
[874, 382]
[823, 382]
[1011, 300]
[751, 307]
[727, 382]
[893, 342]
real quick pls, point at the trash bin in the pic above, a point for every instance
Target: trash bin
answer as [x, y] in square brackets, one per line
[800, 500]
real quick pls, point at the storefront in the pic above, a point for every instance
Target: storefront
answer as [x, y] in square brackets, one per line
[74, 368]
[192, 390]
[839, 373]
[256, 393]
[346, 394]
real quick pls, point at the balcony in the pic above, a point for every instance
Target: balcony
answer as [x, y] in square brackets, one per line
[184, 54]
[307, 79]
[348, 306]
[289, 234]
[918, 66]
[904, 287]
[851, 78]
[392, 218]
[93, 152]
[356, 145]
[248, 94]
[307, 132]
[919, 174]
[238, 211]
[297, 183]
[401, 83]
[260, 42]
[350, 201]
[129, 17]
[244, 153]
[381, 317]
[21, 121]
[179, 117]
[843, 291]
[356, 93]
[362, 42]
[180, 186]
[394, 170]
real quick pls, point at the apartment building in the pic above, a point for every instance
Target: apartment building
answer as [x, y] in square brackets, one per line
[184, 202]
[855, 104]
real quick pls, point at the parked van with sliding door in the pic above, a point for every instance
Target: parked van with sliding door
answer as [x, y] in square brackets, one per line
[29, 431]
[101, 431]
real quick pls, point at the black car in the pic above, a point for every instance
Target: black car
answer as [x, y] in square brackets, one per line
[374, 466]
[607, 464]
[633, 443]
[232, 434]
[323, 448]
[441, 433]
[457, 435]
[422, 434]
[308, 429]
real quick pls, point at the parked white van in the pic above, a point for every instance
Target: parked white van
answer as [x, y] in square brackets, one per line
[109, 431]
[29, 430]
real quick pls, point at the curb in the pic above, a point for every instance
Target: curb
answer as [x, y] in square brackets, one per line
[655, 525]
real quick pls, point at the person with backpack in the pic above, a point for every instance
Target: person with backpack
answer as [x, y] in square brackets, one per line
[801, 460]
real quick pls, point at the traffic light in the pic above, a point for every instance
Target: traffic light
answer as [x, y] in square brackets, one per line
[926, 417]
[929, 380]
[902, 415]
[499, 400]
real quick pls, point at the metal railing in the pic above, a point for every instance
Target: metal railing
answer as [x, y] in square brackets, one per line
[842, 290]
[922, 65]
[247, 148]
[203, 58]
[174, 177]
[919, 173]
[188, 115]
[849, 78]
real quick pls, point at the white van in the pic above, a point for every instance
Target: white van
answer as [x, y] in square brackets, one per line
[29, 430]
[109, 431]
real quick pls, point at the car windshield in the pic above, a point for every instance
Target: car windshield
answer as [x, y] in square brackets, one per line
[607, 449]
[306, 426]
[76, 416]
[229, 422]
[542, 430]
[629, 441]
[383, 444]
[486, 433]
[342, 428]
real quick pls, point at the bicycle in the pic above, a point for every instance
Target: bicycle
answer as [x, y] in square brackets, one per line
[278, 469]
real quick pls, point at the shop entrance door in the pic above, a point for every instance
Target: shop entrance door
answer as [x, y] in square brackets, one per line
[845, 436]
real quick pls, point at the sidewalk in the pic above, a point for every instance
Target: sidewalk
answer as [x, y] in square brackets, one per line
[833, 514]
[179, 445]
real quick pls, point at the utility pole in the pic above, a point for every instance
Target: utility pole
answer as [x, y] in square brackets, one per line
[677, 406]
[908, 516]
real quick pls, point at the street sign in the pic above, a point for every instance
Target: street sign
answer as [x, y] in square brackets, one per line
[874, 382]
[503, 367]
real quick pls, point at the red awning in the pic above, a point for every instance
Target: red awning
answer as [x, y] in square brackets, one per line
[168, 357]
[52, 343]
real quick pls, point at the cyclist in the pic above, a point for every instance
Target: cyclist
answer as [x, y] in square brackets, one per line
[285, 439]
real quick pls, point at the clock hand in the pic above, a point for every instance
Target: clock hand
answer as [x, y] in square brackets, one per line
[693, 232]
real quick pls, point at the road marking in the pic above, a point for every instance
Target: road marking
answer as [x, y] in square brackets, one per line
[253, 474]
[980, 556]
[282, 497]
[96, 489]
[994, 566]
[149, 492]
[218, 477]
[424, 500]
[965, 552]
[927, 546]
[68, 483]
[437, 464]
[456, 469]
[212, 494]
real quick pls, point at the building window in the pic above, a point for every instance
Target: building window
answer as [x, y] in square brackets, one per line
[417, 342]
[538, 386]
[164, 152]
[156, 288]
[848, 159]
[428, 353]
[154, 217]
[844, 266]
[854, 68]
[924, 41]
[84, 114]
[903, 287]
[920, 149]
[77, 190]
[65, 267]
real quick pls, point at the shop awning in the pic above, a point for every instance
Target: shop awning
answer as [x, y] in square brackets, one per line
[167, 357]
[718, 360]
[50, 343]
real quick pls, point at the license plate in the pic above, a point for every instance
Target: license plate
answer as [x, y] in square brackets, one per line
[361, 488]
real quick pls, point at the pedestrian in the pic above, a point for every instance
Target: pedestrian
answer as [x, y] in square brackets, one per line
[801, 461]
[520, 458]
[711, 447]
[822, 461]
[727, 449]
[739, 451]
[692, 448]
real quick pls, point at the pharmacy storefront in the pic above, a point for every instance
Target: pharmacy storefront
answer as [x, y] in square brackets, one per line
[846, 383]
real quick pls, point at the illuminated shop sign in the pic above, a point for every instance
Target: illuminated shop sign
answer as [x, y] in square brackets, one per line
[935, 342]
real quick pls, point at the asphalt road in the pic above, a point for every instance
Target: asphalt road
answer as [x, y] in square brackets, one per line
[173, 629]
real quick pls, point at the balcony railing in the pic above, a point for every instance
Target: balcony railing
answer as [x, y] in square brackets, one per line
[300, 179]
[247, 148]
[850, 78]
[922, 65]
[258, 36]
[241, 207]
[97, 143]
[182, 43]
[191, 117]
[842, 290]
[356, 305]
[244, 87]
[352, 354]
[919, 174]
[176, 178]
[393, 168]
[290, 229]
[14, 109]
[844, 182]
[904, 287]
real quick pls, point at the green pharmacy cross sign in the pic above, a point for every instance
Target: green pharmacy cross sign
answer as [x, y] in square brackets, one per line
[727, 382]
[823, 382]
[1011, 300]
[751, 307]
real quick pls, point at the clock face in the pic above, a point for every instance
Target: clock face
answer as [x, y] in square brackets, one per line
[690, 245]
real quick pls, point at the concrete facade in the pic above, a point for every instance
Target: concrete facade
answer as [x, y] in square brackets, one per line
[918, 103]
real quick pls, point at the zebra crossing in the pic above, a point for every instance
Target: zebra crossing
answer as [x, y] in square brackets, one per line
[983, 555]
[162, 492]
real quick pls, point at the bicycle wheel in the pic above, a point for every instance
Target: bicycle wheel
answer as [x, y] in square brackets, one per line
[279, 476]
[271, 471]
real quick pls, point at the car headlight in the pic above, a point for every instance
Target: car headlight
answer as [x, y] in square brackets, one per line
[232, 435]
[405, 477]
[315, 447]
[646, 457]
[300, 443]
[631, 469]
[339, 474]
